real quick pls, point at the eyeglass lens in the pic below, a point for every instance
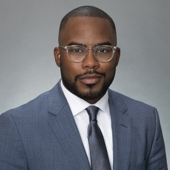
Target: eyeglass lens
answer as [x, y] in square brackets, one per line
[101, 53]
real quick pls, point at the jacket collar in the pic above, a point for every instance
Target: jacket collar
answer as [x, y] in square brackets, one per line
[121, 131]
[63, 125]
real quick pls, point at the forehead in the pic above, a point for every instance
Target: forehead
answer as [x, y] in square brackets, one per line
[87, 30]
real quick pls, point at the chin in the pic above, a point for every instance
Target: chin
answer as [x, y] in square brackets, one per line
[91, 93]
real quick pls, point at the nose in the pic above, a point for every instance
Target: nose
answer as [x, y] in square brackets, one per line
[90, 61]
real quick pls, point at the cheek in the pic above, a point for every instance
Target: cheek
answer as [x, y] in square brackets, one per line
[70, 69]
[110, 69]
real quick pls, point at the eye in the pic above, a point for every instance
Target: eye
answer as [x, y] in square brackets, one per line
[104, 50]
[76, 49]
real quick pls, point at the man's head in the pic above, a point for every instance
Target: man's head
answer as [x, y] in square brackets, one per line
[88, 27]
[86, 11]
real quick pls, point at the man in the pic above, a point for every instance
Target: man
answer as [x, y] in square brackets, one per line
[53, 132]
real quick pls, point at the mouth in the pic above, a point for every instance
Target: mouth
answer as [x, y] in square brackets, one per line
[90, 79]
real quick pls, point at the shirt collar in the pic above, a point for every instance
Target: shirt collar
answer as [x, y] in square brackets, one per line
[77, 104]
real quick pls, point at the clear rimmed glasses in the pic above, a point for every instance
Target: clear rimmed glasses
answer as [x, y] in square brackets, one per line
[77, 53]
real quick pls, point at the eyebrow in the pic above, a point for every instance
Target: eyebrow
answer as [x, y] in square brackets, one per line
[102, 43]
[76, 43]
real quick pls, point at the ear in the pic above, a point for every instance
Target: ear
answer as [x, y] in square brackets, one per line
[57, 56]
[117, 53]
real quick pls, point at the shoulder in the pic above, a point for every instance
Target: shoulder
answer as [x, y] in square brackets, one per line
[143, 117]
[135, 108]
[36, 106]
[128, 101]
[31, 105]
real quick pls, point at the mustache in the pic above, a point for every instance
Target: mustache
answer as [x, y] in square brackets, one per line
[88, 73]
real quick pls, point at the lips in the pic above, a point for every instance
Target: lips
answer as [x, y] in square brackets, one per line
[90, 79]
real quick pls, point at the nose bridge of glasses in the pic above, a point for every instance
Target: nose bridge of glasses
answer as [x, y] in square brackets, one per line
[90, 55]
[91, 48]
[90, 59]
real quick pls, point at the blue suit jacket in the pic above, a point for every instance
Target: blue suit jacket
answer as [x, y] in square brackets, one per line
[42, 135]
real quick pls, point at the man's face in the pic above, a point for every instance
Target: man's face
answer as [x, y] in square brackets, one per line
[88, 79]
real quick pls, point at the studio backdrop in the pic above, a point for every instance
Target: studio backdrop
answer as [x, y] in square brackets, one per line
[29, 33]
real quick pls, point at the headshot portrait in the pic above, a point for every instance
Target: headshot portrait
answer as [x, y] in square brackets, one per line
[84, 85]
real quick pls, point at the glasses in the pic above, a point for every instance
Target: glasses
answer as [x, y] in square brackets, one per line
[77, 53]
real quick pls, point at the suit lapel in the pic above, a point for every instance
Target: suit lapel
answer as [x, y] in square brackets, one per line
[121, 129]
[65, 130]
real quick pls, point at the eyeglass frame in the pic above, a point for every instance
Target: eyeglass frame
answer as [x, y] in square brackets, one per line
[87, 49]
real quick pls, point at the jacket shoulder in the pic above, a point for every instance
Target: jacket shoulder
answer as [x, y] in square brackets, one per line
[29, 107]
[38, 104]
[135, 108]
[128, 101]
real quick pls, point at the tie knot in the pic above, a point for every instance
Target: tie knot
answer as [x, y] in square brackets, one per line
[92, 112]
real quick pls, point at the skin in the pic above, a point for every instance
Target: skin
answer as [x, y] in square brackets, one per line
[88, 79]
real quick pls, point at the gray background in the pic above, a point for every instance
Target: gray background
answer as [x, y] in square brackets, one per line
[28, 34]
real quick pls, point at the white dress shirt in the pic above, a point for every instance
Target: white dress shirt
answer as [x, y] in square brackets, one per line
[78, 106]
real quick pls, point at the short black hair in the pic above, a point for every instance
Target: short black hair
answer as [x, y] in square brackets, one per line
[86, 11]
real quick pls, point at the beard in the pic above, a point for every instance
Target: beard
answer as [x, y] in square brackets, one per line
[91, 94]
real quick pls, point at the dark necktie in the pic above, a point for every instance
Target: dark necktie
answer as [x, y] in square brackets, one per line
[98, 152]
